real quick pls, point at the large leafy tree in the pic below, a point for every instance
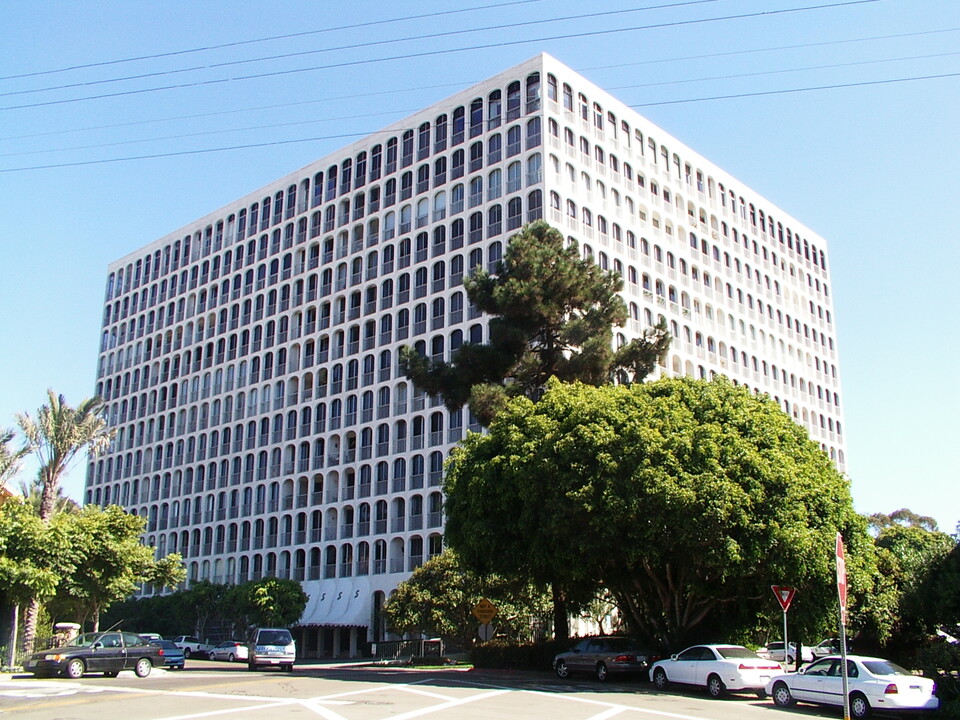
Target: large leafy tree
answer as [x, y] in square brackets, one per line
[685, 498]
[107, 562]
[552, 315]
[30, 555]
[56, 436]
[272, 601]
[439, 597]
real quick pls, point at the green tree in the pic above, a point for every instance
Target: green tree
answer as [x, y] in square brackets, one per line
[28, 561]
[107, 561]
[32, 493]
[271, 602]
[439, 597]
[552, 315]
[685, 498]
[55, 437]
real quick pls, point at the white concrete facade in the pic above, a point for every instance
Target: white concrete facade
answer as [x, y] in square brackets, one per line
[249, 360]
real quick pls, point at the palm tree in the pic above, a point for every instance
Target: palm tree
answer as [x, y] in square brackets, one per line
[32, 492]
[9, 458]
[55, 437]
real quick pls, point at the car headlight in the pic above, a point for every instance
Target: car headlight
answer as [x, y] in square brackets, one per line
[55, 658]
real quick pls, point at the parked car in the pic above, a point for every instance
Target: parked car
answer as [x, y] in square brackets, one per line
[774, 651]
[106, 652]
[192, 647]
[830, 646]
[719, 668]
[872, 684]
[230, 650]
[271, 646]
[603, 656]
[173, 657]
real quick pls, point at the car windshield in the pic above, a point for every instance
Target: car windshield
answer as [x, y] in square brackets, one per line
[87, 640]
[735, 651]
[884, 667]
[274, 637]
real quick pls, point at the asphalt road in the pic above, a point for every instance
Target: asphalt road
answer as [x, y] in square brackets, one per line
[338, 692]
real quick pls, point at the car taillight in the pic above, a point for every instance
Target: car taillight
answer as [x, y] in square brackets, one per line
[890, 689]
[624, 658]
[161, 650]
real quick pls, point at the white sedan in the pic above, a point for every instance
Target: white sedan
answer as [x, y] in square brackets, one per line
[872, 683]
[229, 651]
[719, 668]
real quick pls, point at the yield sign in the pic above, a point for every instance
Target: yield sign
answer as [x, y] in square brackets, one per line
[784, 595]
[841, 574]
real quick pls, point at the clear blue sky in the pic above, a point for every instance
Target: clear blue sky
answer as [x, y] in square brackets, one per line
[871, 165]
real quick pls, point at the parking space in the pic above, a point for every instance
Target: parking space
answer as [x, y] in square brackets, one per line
[355, 693]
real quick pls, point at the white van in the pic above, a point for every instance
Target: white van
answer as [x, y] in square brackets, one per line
[271, 646]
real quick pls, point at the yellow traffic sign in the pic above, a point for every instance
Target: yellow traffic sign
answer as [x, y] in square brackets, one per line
[484, 611]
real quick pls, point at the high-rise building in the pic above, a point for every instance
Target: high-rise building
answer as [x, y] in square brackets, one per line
[249, 359]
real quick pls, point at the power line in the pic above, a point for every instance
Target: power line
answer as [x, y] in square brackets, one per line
[785, 70]
[181, 136]
[364, 134]
[430, 53]
[336, 98]
[797, 90]
[355, 46]
[237, 43]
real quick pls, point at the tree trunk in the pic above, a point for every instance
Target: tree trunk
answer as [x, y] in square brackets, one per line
[30, 625]
[561, 626]
[11, 659]
[96, 618]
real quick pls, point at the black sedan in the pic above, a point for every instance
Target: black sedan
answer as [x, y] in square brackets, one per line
[603, 656]
[105, 652]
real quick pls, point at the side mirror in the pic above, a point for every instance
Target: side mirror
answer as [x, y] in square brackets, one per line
[802, 670]
[673, 657]
[97, 645]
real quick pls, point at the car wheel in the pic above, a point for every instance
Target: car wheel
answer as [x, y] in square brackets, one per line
[715, 686]
[75, 669]
[143, 667]
[230, 657]
[781, 696]
[859, 707]
[561, 670]
[602, 672]
[186, 653]
[762, 694]
[660, 679]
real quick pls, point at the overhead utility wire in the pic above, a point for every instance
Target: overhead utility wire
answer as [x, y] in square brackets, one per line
[397, 112]
[237, 43]
[277, 106]
[354, 46]
[429, 53]
[350, 135]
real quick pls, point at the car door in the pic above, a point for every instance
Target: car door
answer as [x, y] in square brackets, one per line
[577, 659]
[135, 647]
[109, 656]
[808, 684]
[708, 661]
[831, 686]
[684, 668]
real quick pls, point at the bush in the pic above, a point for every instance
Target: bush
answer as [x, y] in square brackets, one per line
[511, 656]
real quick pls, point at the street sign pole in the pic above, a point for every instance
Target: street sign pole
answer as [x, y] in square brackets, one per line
[842, 595]
[784, 596]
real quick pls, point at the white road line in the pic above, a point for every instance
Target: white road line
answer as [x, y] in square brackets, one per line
[321, 710]
[608, 713]
[417, 691]
[447, 705]
[262, 706]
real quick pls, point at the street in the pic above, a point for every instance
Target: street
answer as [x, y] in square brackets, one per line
[337, 692]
